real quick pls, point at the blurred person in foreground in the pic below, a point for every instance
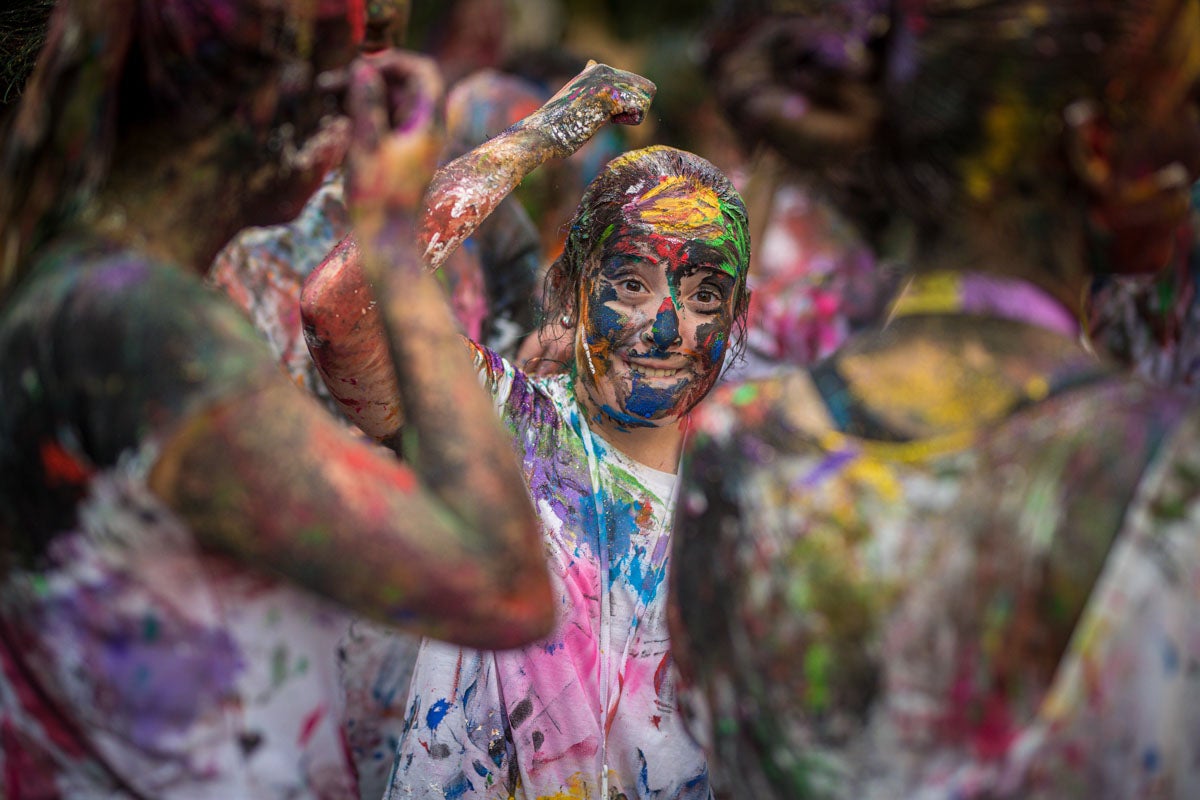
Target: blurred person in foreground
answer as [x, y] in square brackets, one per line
[960, 557]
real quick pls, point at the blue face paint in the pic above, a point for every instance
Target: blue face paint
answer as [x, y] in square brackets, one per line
[666, 325]
[651, 338]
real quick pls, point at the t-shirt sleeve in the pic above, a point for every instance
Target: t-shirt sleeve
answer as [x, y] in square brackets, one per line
[521, 402]
[99, 354]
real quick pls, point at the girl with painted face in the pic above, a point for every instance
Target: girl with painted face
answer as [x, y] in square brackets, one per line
[652, 280]
[184, 530]
[959, 558]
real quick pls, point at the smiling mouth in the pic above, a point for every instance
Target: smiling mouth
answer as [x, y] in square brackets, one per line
[644, 371]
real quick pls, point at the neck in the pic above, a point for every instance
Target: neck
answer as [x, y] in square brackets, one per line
[657, 447]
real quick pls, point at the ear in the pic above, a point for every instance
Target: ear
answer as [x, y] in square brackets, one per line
[1133, 215]
[558, 298]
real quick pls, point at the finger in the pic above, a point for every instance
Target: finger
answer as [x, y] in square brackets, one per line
[633, 102]
[414, 89]
[367, 106]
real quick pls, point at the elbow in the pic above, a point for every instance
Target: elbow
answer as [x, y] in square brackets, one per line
[336, 291]
[519, 614]
[526, 614]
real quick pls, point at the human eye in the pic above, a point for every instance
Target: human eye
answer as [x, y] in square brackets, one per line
[631, 285]
[707, 298]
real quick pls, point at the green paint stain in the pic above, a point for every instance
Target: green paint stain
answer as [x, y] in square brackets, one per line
[279, 662]
[818, 664]
[150, 628]
[744, 395]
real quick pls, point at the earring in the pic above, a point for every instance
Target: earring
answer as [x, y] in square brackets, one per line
[565, 321]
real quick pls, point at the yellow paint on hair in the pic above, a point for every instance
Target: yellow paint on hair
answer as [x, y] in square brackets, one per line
[678, 205]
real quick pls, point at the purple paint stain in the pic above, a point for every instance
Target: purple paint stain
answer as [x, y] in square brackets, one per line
[830, 465]
[161, 673]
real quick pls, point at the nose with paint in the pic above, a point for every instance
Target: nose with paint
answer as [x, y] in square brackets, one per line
[665, 330]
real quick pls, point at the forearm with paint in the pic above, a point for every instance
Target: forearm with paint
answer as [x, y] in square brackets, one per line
[465, 191]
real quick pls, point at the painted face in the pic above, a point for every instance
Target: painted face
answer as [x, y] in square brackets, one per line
[656, 311]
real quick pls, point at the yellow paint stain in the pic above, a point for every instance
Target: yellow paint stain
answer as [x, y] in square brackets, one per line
[576, 789]
[923, 386]
[1037, 388]
[877, 476]
[934, 293]
[1005, 125]
[915, 452]
[678, 205]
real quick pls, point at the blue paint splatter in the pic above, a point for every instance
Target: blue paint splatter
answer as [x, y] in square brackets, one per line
[457, 787]
[436, 713]
[1170, 658]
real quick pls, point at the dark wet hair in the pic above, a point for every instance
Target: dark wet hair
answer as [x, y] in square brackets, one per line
[23, 25]
[601, 207]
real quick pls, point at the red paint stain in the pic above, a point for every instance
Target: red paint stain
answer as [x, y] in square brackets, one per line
[62, 468]
[310, 725]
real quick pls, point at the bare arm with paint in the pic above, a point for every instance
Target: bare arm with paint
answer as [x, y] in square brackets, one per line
[342, 325]
[449, 544]
[466, 190]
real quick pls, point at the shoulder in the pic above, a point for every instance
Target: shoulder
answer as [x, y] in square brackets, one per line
[520, 399]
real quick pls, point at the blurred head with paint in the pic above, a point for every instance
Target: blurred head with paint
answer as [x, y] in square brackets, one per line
[1050, 138]
[653, 273]
[252, 87]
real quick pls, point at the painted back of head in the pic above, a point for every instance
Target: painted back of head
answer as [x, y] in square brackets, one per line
[970, 99]
[110, 65]
[977, 90]
[661, 189]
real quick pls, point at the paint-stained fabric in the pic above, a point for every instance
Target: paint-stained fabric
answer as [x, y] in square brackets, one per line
[982, 581]
[595, 702]
[132, 665]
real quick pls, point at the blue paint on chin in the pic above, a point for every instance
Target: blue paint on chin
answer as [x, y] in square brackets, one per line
[649, 402]
[624, 420]
[646, 404]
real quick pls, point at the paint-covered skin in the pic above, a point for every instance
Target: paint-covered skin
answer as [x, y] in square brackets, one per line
[911, 593]
[344, 333]
[590, 708]
[465, 191]
[655, 320]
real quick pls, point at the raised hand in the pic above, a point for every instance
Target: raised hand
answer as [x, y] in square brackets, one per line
[469, 188]
[598, 95]
[393, 101]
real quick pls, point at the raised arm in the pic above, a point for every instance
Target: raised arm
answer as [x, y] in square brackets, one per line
[447, 543]
[466, 190]
[343, 327]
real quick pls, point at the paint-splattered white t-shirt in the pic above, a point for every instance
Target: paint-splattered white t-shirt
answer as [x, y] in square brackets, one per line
[590, 712]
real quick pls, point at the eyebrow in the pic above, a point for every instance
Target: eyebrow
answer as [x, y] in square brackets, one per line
[614, 262]
[710, 271]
